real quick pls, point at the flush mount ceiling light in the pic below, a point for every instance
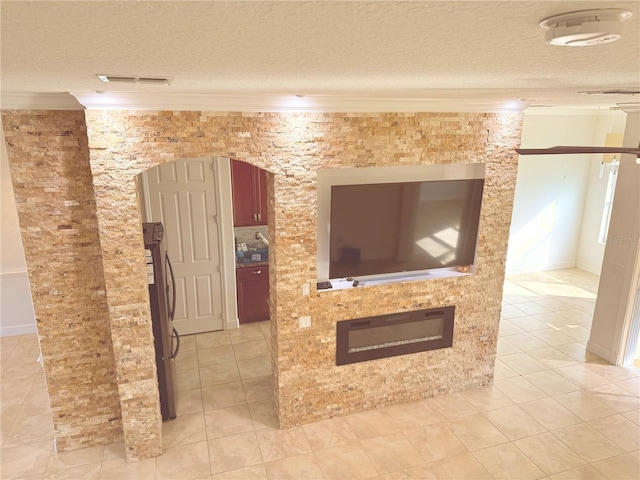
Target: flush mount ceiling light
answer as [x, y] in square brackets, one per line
[585, 27]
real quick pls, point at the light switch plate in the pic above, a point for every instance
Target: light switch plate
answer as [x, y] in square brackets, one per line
[305, 322]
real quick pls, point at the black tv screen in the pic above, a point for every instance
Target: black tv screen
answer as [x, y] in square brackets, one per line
[385, 228]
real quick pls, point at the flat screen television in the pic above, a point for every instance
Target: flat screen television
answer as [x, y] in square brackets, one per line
[389, 223]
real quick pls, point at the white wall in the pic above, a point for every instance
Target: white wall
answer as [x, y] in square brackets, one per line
[590, 251]
[552, 191]
[16, 307]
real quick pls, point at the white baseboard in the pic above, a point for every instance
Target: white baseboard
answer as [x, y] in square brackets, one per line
[602, 352]
[12, 330]
[595, 269]
[540, 268]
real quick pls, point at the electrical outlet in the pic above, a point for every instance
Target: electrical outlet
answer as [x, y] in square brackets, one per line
[305, 322]
[306, 289]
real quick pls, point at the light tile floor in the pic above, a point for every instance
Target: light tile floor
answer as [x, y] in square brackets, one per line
[554, 411]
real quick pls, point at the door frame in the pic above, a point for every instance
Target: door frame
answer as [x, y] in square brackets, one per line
[222, 182]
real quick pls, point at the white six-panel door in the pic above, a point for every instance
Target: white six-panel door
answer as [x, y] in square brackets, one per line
[182, 197]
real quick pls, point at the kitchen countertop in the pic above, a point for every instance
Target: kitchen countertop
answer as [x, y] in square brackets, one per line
[252, 264]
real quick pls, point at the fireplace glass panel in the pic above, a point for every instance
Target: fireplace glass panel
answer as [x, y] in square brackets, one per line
[390, 335]
[370, 338]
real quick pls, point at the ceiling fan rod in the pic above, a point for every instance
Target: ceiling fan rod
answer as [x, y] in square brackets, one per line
[569, 150]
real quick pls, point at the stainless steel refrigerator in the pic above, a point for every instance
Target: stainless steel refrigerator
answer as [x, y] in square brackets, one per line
[162, 295]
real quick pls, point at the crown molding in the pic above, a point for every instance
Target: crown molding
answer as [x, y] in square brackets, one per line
[39, 101]
[286, 103]
[630, 107]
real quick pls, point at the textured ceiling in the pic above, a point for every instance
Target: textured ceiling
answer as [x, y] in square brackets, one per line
[419, 49]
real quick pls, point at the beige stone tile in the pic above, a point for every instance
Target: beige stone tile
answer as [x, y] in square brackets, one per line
[256, 367]
[551, 357]
[583, 472]
[552, 337]
[228, 421]
[577, 332]
[246, 333]
[234, 452]
[633, 416]
[613, 373]
[501, 371]
[301, 467]
[532, 308]
[631, 385]
[215, 355]
[15, 389]
[460, 467]
[187, 380]
[587, 442]
[549, 453]
[183, 430]
[25, 460]
[615, 397]
[37, 400]
[550, 413]
[20, 366]
[527, 341]
[519, 389]
[435, 442]
[523, 363]
[114, 451]
[263, 415]
[219, 374]
[505, 347]
[476, 432]
[90, 471]
[414, 414]
[421, 472]
[187, 343]
[186, 360]
[391, 453]
[29, 429]
[577, 351]
[74, 458]
[510, 312]
[486, 398]
[330, 433]
[506, 461]
[551, 383]
[507, 328]
[188, 401]
[251, 349]
[584, 405]
[373, 423]
[119, 469]
[221, 396]
[265, 327]
[184, 462]
[451, 406]
[514, 422]
[258, 389]
[212, 339]
[529, 324]
[582, 376]
[254, 472]
[622, 467]
[345, 462]
[277, 444]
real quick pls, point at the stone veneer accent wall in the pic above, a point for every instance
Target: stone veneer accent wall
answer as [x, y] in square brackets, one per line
[49, 162]
[293, 146]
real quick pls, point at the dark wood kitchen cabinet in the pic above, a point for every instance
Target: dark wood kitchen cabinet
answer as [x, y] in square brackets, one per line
[252, 284]
[249, 186]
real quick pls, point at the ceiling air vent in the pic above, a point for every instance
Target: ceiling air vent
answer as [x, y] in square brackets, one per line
[130, 79]
[611, 91]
